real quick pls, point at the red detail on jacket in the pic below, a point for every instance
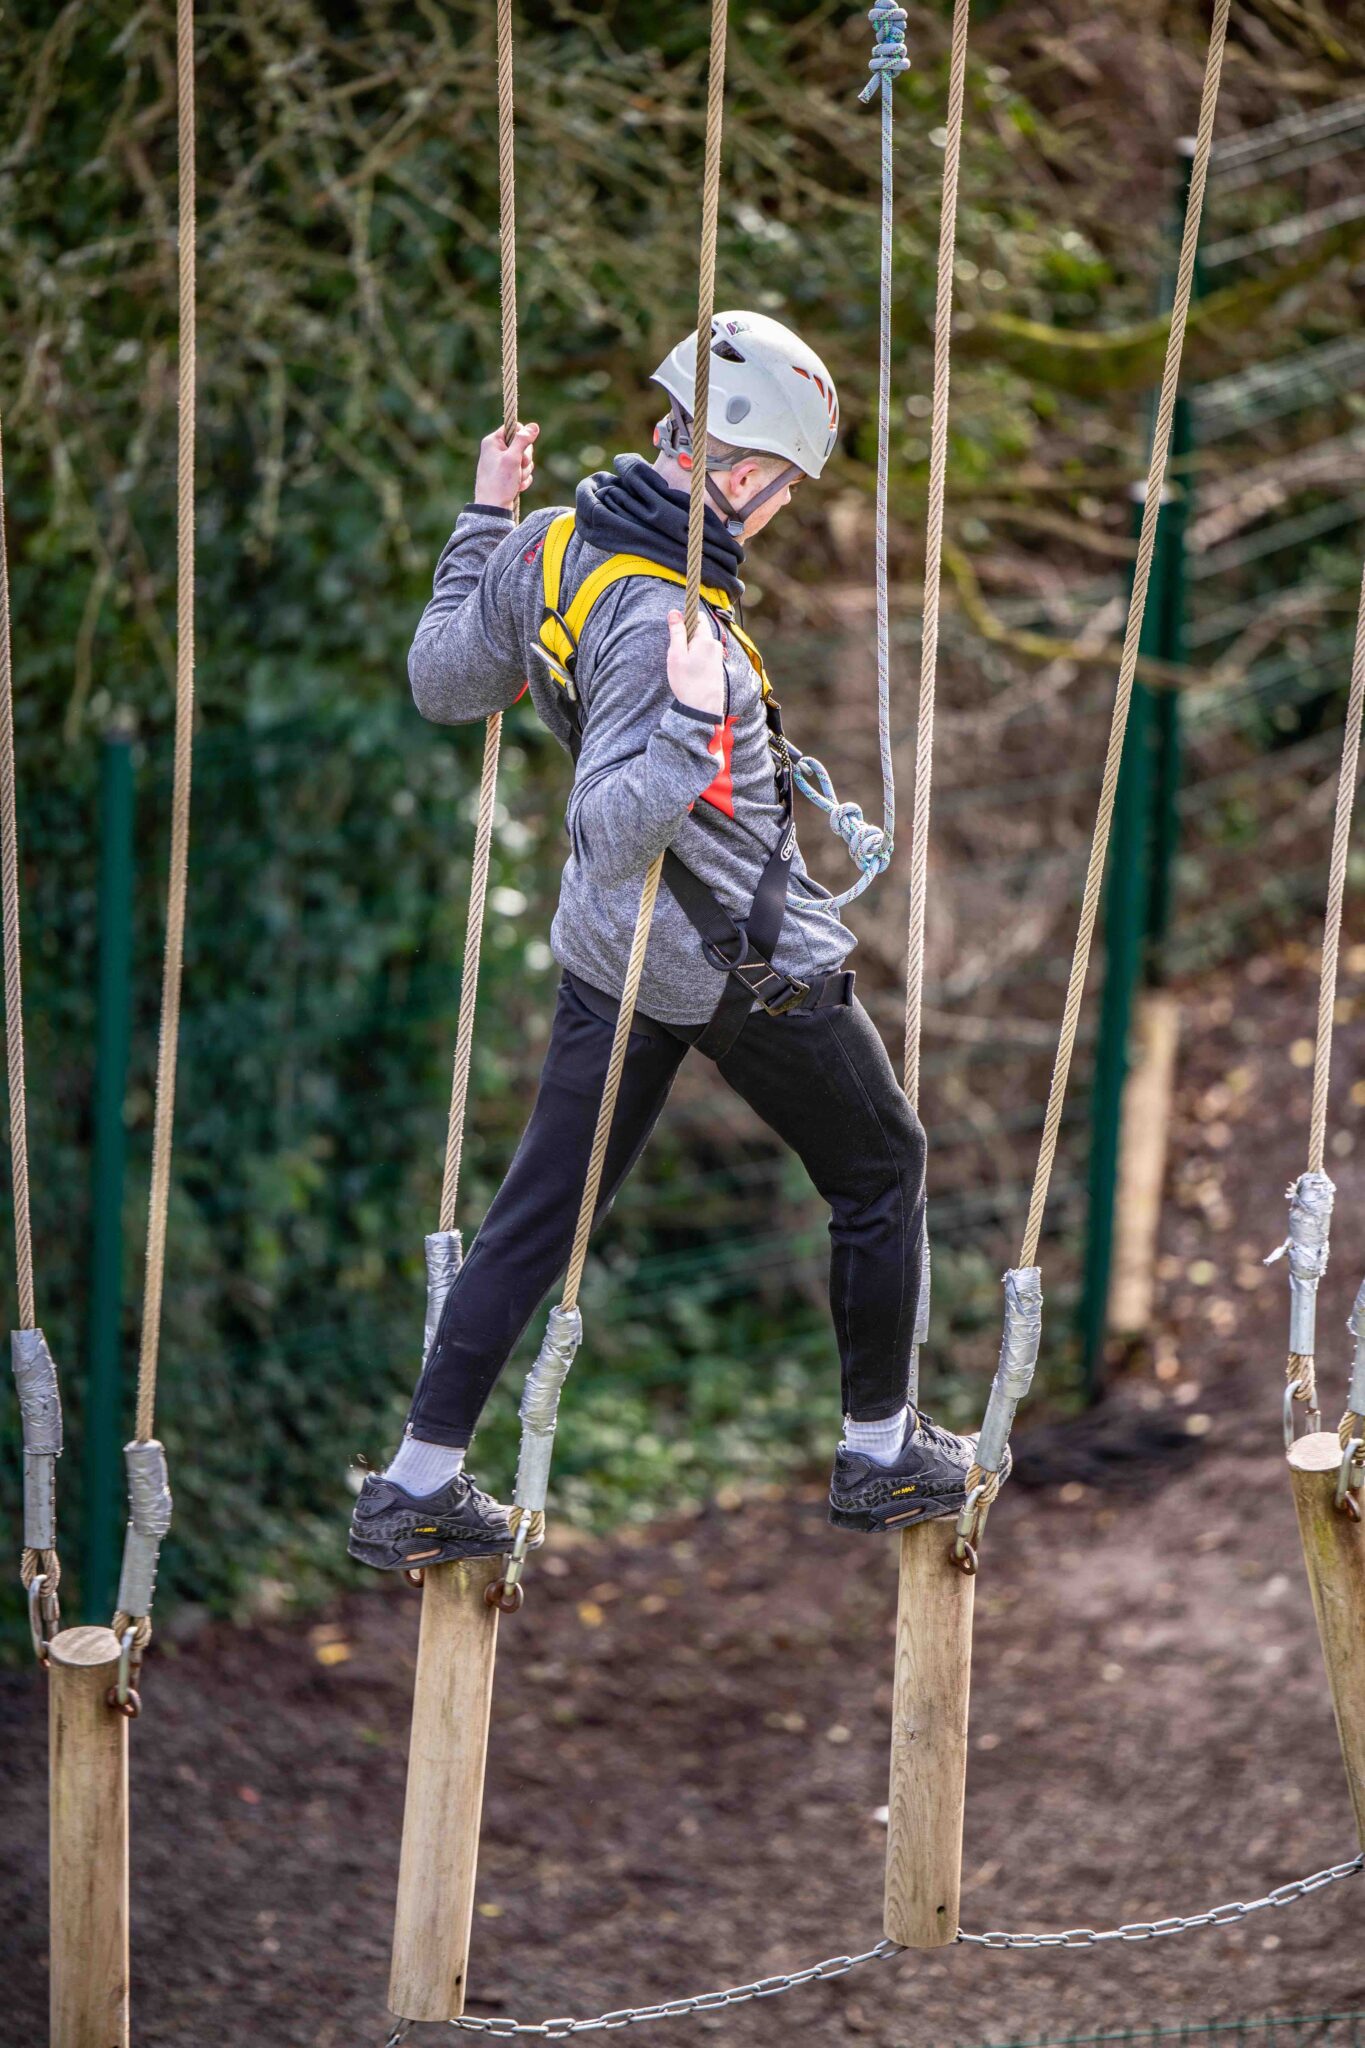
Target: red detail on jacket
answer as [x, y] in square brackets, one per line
[721, 791]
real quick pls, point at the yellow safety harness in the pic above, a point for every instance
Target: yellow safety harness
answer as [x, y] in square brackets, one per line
[561, 630]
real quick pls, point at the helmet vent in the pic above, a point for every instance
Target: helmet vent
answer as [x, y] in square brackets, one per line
[738, 408]
[727, 351]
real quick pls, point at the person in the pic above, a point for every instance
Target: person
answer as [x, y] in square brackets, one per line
[678, 751]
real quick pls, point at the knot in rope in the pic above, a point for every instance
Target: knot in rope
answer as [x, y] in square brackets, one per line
[869, 845]
[888, 58]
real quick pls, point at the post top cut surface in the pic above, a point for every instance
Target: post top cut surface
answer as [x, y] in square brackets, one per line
[1319, 1452]
[81, 1647]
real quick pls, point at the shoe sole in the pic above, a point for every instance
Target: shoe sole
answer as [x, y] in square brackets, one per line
[877, 1522]
[414, 1555]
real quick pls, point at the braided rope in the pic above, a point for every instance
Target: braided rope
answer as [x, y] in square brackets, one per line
[933, 554]
[1336, 894]
[14, 995]
[492, 739]
[1156, 480]
[173, 960]
[32, 1563]
[696, 513]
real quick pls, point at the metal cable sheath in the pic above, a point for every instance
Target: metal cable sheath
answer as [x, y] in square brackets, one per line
[492, 739]
[706, 299]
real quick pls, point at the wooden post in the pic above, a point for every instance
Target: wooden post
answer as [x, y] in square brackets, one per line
[88, 1795]
[1145, 1127]
[452, 1700]
[1334, 1552]
[928, 1741]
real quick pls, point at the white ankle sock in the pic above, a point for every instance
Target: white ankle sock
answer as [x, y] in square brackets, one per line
[879, 1441]
[424, 1468]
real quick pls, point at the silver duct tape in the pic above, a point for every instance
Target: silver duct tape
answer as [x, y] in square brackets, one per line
[540, 1406]
[1019, 1344]
[1355, 1396]
[445, 1256]
[40, 1501]
[40, 1402]
[1310, 1221]
[922, 1305]
[149, 1517]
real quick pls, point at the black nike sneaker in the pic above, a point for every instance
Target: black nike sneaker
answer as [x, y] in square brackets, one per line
[398, 1531]
[926, 1481]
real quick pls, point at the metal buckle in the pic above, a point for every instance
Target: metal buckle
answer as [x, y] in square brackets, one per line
[123, 1695]
[1313, 1418]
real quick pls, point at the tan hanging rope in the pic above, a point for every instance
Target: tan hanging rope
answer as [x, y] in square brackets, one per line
[933, 553]
[1336, 895]
[32, 1562]
[492, 740]
[696, 512]
[173, 964]
[983, 1482]
[1137, 607]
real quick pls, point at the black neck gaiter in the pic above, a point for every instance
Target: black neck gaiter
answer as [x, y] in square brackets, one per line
[631, 510]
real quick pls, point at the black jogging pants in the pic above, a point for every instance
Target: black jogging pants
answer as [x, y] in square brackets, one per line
[820, 1079]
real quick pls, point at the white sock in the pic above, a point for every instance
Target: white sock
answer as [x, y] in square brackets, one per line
[424, 1468]
[879, 1441]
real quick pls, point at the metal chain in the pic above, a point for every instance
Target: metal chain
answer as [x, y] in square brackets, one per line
[696, 514]
[837, 1966]
[492, 740]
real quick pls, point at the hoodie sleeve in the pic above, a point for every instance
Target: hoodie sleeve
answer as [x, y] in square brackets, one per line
[466, 659]
[645, 760]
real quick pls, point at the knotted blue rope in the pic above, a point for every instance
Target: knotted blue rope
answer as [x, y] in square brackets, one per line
[869, 845]
[888, 58]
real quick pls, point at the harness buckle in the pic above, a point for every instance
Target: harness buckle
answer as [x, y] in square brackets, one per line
[776, 993]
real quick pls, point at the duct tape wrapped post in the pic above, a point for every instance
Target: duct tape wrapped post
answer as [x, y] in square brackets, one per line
[445, 1256]
[40, 1413]
[1310, 1222]
[1019, 1344]
[149, 1518]
[539, 1418]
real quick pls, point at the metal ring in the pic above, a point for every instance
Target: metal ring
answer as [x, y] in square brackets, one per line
[506, 1596]
[415, 1577]
[1348, 1478]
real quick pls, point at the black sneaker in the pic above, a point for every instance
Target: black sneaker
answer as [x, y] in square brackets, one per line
[926, 1481]
[398, 1531]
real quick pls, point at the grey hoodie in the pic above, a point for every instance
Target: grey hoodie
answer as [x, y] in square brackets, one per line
[652, 772]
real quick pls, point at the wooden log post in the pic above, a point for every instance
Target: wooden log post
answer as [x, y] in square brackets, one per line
[932, 1688]
[452, 1701]
[88, 1834]
[1334, 1553]
[1145, 1126]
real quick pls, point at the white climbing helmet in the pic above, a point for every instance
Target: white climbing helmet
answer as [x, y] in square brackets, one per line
[769, 392]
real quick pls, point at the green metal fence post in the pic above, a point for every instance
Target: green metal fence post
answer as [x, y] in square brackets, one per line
[1138, 892]
[103, 1424]
[1126, 903]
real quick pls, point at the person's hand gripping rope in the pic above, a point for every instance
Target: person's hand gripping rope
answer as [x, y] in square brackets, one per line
[696, 668]
[506, 469]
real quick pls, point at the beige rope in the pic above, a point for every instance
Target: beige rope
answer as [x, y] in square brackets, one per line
[174, 958]
[31, 1562]
[1336, 893]
[933, 553]
[492, 740]
[14, 997]
[1156, 478]
[706, 300]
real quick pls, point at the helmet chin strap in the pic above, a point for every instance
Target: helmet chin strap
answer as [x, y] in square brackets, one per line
[735, 521]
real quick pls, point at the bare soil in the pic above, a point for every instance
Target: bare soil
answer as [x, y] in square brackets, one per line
[692, 1724]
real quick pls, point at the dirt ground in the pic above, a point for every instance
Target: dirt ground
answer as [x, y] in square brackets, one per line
[692, 1726]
